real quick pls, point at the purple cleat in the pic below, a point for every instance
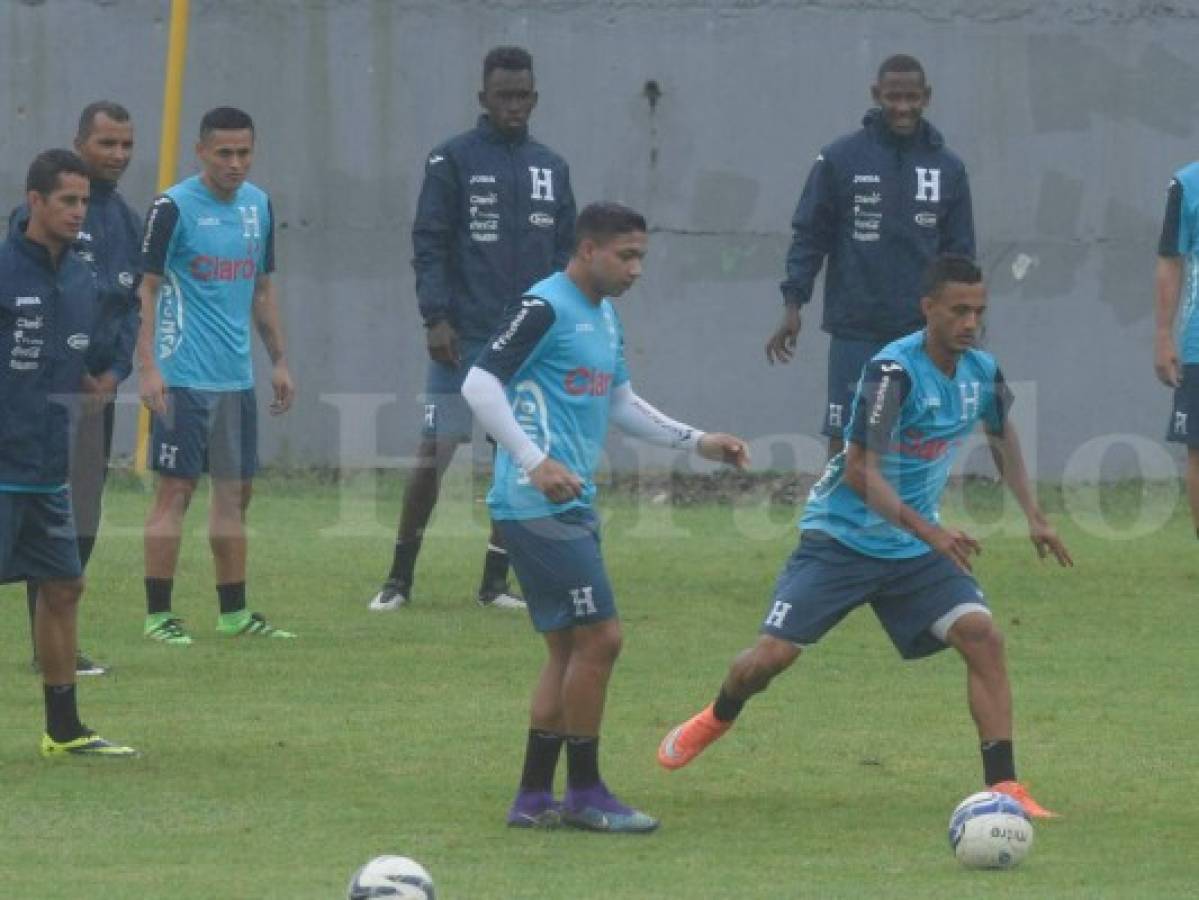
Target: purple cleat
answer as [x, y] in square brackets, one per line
[534, 809]
[596, 809]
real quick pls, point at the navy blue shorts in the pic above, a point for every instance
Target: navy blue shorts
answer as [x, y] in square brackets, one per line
[447, 414]
[561, 572]
[823, 581]
[206, 431]
[1184, 419]
[846, 359]
[37, 537]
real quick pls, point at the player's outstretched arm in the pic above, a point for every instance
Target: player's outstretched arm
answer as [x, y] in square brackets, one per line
[1009, 460]
[1167, 283]
[638, 418]
[265, 309]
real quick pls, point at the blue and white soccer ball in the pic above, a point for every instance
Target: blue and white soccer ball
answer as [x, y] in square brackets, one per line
[393, 877]
[989, 830]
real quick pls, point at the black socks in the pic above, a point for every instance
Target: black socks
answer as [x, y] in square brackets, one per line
[999, 762]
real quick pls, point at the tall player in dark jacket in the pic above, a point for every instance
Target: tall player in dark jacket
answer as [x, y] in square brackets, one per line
[880, 204]
[109, 242]
[496, 214]
[48, 302]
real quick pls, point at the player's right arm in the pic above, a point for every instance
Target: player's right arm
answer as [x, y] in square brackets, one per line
[813, 231]
[513, 346]
[1167, 288]
[161, 222]
[433, 234]
[885, 387]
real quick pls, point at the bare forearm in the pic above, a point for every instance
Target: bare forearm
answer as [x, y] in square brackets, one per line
[268, 325]
[878, 494]
[1009, 461]
[147, 296]
[1167, 285]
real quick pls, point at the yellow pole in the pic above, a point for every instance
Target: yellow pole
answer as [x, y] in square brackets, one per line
[168, 158]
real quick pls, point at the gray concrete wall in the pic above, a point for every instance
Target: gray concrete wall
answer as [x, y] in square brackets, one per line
[1071, 117]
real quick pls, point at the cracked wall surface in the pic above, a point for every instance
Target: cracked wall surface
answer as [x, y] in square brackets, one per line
[1071, 116]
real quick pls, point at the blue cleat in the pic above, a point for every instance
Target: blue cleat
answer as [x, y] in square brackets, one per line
[535, 809]
[596, 809]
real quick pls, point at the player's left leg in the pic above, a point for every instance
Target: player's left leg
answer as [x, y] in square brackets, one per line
[1192, 485]
[534, 806]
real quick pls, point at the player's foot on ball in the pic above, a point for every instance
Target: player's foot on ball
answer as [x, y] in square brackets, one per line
[87, 744]
[168, 629]
[535, 809]
[1020, 794]
[499, 596]
[251, 624]
[391, 596]
[685, 742]
[596, 809]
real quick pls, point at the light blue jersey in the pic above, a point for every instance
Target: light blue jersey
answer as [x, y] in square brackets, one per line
[559, 356]
[1187, 230]
[915, 417]
[209, 253]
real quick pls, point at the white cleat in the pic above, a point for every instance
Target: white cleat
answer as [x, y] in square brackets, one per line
[390, 598]
[502, 600]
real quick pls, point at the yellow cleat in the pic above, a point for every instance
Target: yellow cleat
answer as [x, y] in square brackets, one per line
[89, 744]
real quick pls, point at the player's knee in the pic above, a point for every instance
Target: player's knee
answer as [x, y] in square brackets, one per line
[757, 666]
[601, 645]
[61, 594]
[174, 494]
[977, 634]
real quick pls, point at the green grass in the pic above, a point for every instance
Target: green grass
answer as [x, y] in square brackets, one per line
[272, 769]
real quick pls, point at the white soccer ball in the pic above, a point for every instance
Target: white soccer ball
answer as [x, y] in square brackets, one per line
[989, 830]
[395, 877]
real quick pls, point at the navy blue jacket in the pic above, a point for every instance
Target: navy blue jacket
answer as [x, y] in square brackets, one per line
[110, 242]
[46, 316]
[880, 207]
[494, 217]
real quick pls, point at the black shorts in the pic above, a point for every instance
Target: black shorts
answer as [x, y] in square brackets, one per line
[37, 537]
[206, 431]
[1184, 419]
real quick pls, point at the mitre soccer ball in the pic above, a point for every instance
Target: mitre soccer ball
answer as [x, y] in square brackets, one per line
[989, 830]
[394, 877]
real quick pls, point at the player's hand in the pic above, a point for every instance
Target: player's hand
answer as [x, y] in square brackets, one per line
[724, 448]
[1046, 540]
[956, 544]
[284, 389]
[558, 483]
[153, 390]
[1165, 362]
[781, 346]
[442, 341]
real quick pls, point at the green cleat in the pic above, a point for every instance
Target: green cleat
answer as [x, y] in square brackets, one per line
[248, 623]
[88, 744]
[168, 629]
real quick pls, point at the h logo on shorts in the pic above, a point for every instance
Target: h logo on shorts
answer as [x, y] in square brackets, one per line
[778, 614]
[834, 415]
[1180, 423]
[543, 183]
[581, 597]
[430, 416]
[166, 455]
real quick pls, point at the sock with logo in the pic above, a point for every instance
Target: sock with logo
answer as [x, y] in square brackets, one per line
[541, 759]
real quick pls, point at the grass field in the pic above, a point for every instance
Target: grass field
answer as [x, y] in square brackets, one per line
[272, 769]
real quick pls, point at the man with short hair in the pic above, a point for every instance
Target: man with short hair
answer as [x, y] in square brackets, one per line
[496, 213]
[48, 303]
[546, 387]
[1178, 252]
[209, 252]
[880, 204]
[110, 242]
[872, 532]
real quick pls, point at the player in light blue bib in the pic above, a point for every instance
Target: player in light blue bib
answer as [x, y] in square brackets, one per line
[546, 387]
[872, 531]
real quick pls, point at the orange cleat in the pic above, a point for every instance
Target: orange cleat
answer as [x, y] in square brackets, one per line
[687, 741]
[1020, 794]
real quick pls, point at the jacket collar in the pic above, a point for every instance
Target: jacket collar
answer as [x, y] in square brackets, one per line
[489, 132]
[39, 254]
[926, 134]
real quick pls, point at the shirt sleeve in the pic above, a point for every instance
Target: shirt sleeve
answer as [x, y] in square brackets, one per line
[268, 256]
[433, 232]
[514, 344]
[885, 387]
[1169, 244]
[995, 416]
[813, 232]
[156, 240]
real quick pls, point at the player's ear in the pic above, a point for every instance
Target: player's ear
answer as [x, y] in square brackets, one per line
[533, 105]
[875, 95]
[926, 305]
[928, 94]
[483, 99]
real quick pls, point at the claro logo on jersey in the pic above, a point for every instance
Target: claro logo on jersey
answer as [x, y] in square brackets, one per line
[216, 268]
[584, 381]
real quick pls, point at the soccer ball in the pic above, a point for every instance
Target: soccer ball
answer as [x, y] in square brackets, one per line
[396, 877]
[989, 830]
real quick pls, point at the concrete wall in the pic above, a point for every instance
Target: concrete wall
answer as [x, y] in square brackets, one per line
[1070, 116]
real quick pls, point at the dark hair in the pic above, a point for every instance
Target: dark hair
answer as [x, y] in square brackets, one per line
[48, 165]
[601, 222]
[950, 267]
[87, 118]
[225, 118]
[513, 59]
[901, 63]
